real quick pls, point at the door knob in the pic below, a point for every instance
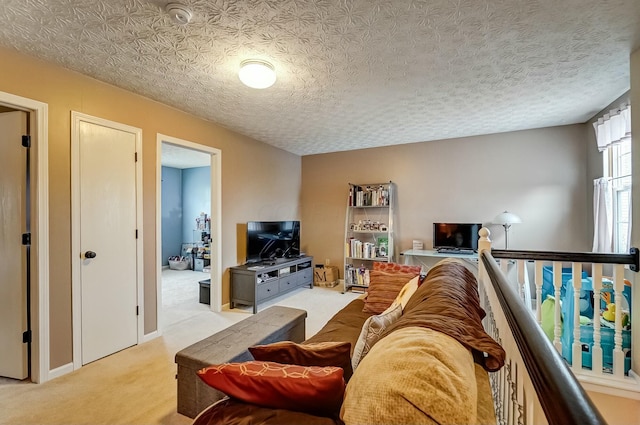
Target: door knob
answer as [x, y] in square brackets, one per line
[89, 254]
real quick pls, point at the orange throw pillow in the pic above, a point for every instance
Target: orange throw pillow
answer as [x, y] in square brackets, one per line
[395, 267]
[315, 354]
[312, 389]
[383, 289]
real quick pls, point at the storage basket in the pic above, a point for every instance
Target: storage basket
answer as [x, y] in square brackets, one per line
[178, 264]
[326, 276]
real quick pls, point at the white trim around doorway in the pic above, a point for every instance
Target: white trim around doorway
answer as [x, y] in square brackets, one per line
[216, 220]
[39, 122]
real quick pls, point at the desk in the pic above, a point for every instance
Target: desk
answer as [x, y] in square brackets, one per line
[428, 258]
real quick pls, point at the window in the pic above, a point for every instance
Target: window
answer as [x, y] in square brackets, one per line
[617, 167]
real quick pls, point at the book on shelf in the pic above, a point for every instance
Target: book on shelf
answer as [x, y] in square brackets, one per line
[368, 196]
[356, 275]
[355, 248]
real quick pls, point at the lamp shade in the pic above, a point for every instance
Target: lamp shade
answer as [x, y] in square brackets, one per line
[506, 218]
[257, 74]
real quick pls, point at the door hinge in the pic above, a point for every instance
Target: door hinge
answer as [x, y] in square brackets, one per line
[26, 337]
[137, 310]
[135, 157]
[26, 239]
[136, 233]
[26, 141]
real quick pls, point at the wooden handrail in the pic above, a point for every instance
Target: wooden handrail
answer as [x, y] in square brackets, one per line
[561, 396]
[632, 258]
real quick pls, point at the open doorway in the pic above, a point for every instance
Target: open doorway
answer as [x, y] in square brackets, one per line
[32, 311]
[188, 241]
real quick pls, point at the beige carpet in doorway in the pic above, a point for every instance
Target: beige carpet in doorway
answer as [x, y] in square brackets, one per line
[137, 385]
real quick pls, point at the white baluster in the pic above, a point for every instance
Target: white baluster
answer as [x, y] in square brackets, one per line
[520, 279]
[523, 278]
[539, 300]
[618, 354]
[596, 352]
[576, 347]
[557, 284]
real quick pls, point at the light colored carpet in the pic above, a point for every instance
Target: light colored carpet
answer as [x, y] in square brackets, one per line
[137, 385]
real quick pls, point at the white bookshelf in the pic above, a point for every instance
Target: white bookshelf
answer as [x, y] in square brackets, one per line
[368, 231]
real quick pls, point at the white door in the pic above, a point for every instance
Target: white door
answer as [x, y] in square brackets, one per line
[107, 178]
[13, 299]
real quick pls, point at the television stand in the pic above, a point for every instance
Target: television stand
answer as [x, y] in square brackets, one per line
[254, 283]
[275, 261]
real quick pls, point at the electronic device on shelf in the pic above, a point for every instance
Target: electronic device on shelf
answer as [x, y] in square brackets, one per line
[460, 238]
[272, 241]
[455, 251]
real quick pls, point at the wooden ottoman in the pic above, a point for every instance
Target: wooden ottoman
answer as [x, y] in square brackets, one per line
[230, 345]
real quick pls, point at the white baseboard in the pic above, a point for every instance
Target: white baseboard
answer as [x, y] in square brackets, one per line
[150, 336]
[59, 371]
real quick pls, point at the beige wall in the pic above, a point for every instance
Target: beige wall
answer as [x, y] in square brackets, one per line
[264, 185]
[538, 174]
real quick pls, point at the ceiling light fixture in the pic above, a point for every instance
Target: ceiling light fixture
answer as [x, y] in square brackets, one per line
[179, 13]
[257, 74]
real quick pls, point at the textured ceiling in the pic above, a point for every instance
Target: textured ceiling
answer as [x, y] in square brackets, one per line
[181, 157]
[351, 73]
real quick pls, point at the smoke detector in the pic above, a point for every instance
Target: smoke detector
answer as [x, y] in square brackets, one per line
[179, 13]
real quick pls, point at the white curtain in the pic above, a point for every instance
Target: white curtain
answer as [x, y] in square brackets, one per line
[626, 248]
[602, 216]
[613, 127]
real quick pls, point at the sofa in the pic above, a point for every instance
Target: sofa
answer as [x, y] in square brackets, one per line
[412, 350]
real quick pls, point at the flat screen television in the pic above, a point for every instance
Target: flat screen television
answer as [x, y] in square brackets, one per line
[271, 240]
[462, 236]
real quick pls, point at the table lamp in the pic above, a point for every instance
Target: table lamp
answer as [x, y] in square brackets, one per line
[506, 219]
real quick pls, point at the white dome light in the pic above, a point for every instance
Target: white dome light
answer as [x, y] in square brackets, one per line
[257, 74]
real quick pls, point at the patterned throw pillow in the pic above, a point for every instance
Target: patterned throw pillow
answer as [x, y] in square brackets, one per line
[395, 267]
[373, 327]
[316, 354]
[383, 289]
[312, 389]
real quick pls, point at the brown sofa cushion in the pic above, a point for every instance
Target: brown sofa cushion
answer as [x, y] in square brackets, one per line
[312, 389]
[345, 325]
[234, 412]
[319, 354]
[383, 289]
